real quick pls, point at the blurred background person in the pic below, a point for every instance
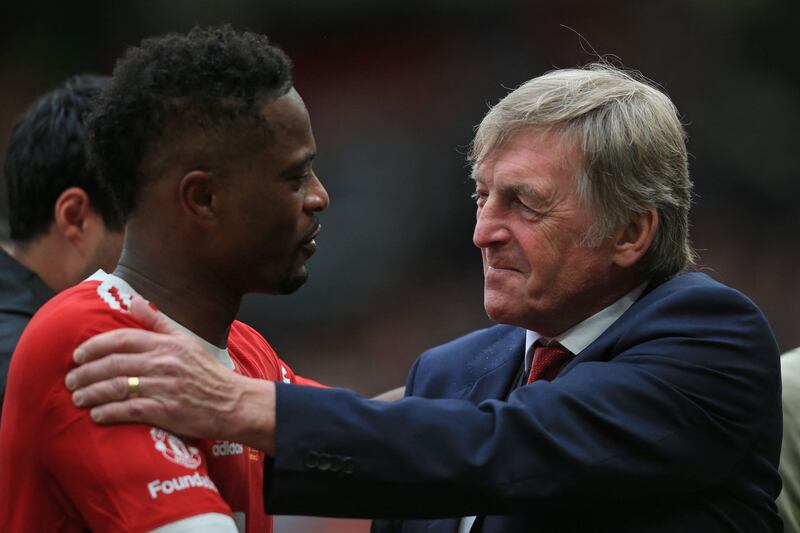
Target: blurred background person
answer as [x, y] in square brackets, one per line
[64, 223]
[789, 499]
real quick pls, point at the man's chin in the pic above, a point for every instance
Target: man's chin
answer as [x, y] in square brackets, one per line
[293, 282]
[499, 310]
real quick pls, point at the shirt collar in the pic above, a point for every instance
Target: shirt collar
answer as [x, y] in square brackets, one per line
[582, 334]
[21, 288]
[220, 354]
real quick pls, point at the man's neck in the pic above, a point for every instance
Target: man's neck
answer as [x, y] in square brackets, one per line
[586, 305]
[202, 305]
[581, 335]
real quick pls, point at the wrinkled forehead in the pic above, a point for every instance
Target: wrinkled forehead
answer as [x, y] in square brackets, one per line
[531, 145]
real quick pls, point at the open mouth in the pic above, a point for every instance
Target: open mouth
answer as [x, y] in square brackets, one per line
[313, 235]
[309, 244]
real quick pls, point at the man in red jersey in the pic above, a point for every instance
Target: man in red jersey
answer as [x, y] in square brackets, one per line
[210, 150]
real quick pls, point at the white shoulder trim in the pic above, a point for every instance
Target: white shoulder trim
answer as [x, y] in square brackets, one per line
[113, 291]
[202, 523]
[117, 294]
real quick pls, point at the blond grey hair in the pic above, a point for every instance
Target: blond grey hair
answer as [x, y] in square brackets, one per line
[633, 149]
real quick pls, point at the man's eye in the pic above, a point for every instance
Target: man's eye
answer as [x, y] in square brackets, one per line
[479, 197]
[298, 181]
[528, 210]
[523, 205]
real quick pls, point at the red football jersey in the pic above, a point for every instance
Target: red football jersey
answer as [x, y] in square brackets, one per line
[62, 472]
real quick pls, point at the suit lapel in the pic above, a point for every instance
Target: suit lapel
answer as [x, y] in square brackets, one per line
[601, 348]
[496, 367]
[596, 351]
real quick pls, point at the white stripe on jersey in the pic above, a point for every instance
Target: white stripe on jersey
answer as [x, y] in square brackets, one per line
[115, 298]
[202, 523]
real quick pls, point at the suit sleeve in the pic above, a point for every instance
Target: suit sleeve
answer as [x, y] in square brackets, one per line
[677, 406]
[387, 525]
[410, 381]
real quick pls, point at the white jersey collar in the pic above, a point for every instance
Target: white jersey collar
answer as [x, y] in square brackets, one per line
[220, 354]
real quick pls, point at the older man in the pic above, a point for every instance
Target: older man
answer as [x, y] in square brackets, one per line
[619, 393]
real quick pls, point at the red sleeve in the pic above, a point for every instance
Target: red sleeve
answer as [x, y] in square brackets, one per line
[252, 350]
[288, 376]
[299, 380]
[129, 477]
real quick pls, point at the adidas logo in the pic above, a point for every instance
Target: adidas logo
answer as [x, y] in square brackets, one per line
[223, 448]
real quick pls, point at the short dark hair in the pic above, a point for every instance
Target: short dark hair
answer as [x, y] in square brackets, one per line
[47, 154]
[206, 80]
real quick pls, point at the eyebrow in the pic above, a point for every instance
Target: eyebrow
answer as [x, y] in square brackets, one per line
[521, 190]
[527, 191]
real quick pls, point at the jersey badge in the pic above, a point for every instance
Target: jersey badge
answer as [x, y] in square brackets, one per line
[173, 449]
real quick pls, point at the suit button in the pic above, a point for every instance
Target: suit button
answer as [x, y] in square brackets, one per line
[324, 462]
[336, 463]
[312, 459]
[348, 465]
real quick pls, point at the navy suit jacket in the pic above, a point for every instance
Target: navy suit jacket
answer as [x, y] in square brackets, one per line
[669, 421]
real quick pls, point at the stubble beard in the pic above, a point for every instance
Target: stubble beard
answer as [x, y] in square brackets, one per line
[292, 282]
[294, 279]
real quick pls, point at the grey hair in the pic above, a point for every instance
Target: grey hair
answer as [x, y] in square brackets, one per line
[633, 147]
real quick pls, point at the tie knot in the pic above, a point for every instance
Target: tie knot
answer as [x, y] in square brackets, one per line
[547, 361]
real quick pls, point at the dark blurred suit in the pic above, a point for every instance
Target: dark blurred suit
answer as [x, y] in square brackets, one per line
[22, 293]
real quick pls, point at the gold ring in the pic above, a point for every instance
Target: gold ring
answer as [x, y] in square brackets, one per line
[133, 387]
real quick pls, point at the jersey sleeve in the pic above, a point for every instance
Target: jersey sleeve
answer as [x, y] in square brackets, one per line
[261, 357]
[288, 376]
[300, 380]
[131, 477]
[127, 477]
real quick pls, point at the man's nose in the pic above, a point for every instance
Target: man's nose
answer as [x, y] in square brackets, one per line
[317, 198]
[490, 226]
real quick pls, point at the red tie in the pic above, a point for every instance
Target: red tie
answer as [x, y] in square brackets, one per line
[547, 361]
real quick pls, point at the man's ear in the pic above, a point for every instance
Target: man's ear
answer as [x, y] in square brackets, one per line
[634, 238]
[71, 213]
[199, 196]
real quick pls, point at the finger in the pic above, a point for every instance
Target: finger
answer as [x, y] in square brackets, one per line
[144, 410]
[124, 340]
[142, 311]
[110, 390]
[114, 365]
